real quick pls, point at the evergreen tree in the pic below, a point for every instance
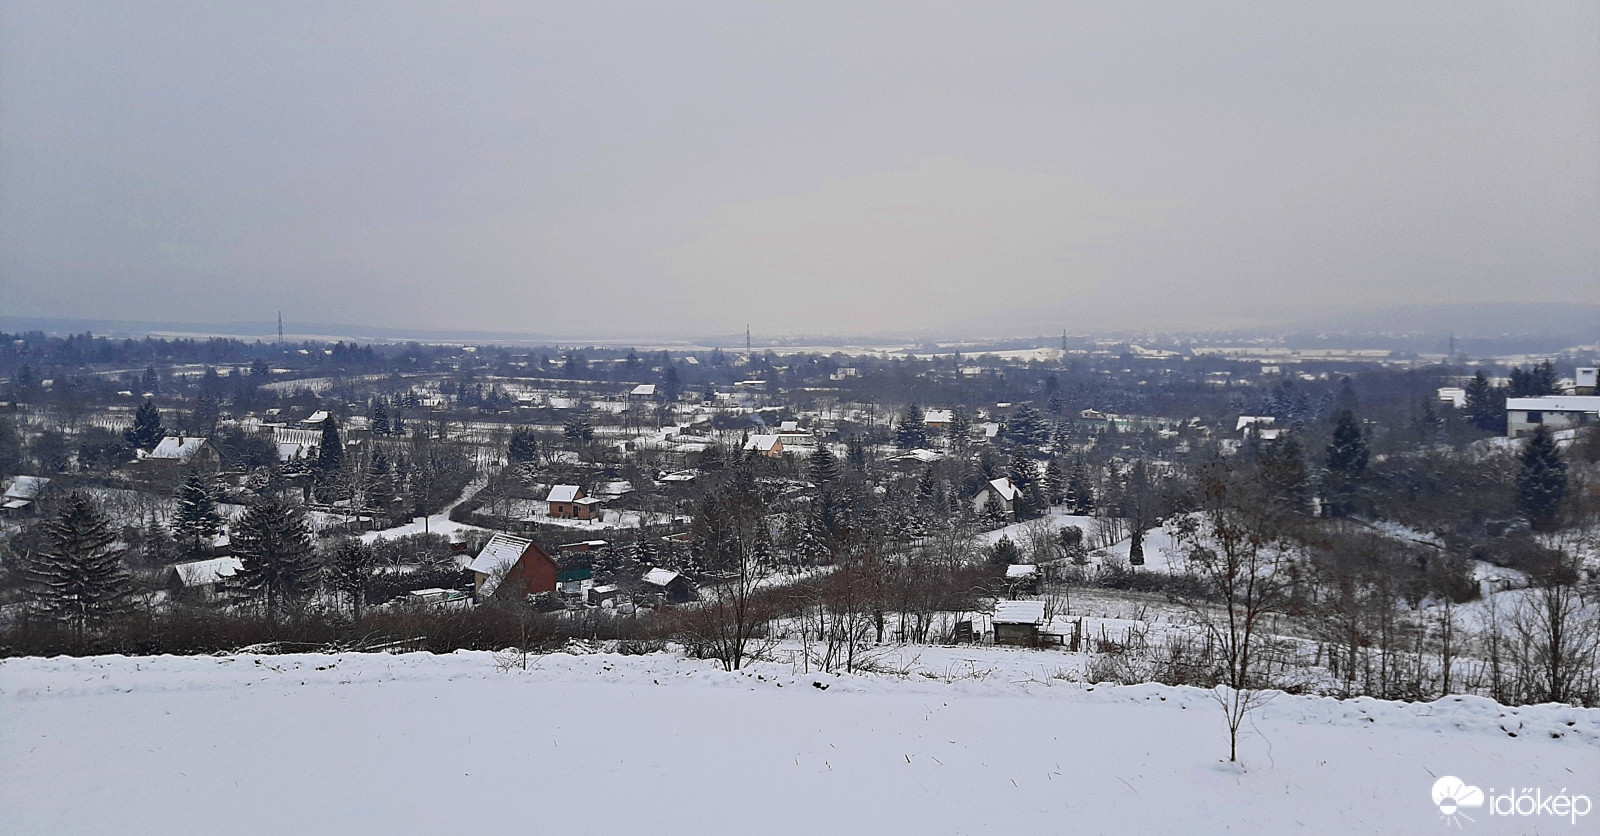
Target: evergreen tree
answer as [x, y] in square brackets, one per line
[1027, 426]
[78, 575]
[823, 467]
[1080, 488]
[348, 568]
[1005, 552]
[856, 453]
[10, 448]
[960, 427]
[146, 431]
[278, 566]
[1347, 464]
[196, 520]
[1284, 475]
[524, 446]
[1542, 480]
[912, 431]
[380, 419]
[577, 430]
[330, 453]
[1348, 453]
[1536, 382]
[1486, 405]
[1055, 481]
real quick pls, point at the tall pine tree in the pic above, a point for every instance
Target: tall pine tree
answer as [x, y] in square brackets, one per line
[196, 521]
[1347, 463]
[1486, 405]
[278, 567]
[912, 431]
[330, 453]
[146, 431]
[1541, 481]
[78, 575]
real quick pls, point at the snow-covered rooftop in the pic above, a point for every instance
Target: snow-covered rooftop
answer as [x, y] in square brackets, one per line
[25, 487]
[644, 390]
[1556, 403]
[1004, 487]
[207, 572]
[178, 447]
[1019, 612]
[660, 577]
[1021, 570]
[500, 553]
[563, 493]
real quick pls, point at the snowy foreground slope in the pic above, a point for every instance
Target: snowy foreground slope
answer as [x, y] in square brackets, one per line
[974, 743]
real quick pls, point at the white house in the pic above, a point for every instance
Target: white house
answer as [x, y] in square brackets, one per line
[1001, 491]
[1557, 412]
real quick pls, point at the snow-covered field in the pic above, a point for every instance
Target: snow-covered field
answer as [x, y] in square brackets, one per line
[964, 740]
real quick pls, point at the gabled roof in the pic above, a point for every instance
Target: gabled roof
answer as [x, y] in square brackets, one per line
[1021, 570]
[1019, 612]
[1004, 487]
[660, 577]
[763, 443]
[1253, 420]
[563, 493]
[502, 551]
[178, 447]
[938, 416]
[26, 487]
[789, 427]
[207, 572]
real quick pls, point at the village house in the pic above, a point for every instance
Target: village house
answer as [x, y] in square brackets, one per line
[201, 578]
[512, 567]
[1018, 622]
[672, 586]
[570, 502]
[939, 419]
[1556, 412]
[1003, 492]
[769, 445]
[21, 491]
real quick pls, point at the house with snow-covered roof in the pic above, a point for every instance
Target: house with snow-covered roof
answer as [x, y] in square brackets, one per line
[672, 586]
[21, 491]
[513, 567]
[570, 502]
[1001, 493]
[768, 444]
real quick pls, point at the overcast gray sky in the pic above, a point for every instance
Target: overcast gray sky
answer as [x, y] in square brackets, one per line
[649, 168]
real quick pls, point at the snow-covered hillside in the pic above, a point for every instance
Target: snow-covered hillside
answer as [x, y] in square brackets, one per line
[969, 740]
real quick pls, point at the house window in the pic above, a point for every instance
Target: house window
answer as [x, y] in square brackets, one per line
[1536, 417]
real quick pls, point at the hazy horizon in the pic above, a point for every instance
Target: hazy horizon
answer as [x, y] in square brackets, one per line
[995, 170]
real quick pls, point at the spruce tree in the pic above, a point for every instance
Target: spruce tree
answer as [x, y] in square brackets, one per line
[78, 575]
[1283, 473]
[1055, 481]
[146, 431]
[1080, 489]
[912, 431]
[1486, 405]
[196, 521]
[1542, 480]
[278, 566]
[348, 568]
[856, 453]
[823, 468]
[1348, 454]
[960, 427]
[524, 446]
[1347, 463]
[380, 419]
[330, 453]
